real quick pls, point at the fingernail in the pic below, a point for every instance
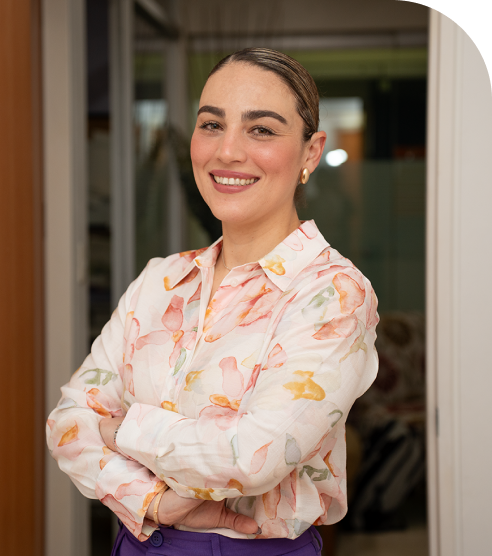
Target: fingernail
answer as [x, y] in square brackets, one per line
[259, 531]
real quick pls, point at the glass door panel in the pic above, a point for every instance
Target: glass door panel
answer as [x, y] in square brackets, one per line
[368, 199]
[151, 149]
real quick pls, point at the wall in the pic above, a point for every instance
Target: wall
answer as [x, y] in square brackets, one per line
[459, 303]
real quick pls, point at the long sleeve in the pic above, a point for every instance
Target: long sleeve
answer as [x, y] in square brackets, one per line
[95, 391]
[319, 360]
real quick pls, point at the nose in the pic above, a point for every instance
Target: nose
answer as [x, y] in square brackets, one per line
[231, 147]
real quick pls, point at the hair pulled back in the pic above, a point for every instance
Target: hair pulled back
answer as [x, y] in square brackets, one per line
[291, 72]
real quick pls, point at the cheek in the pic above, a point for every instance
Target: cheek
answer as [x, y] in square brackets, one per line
[200, 151]
[278, 159]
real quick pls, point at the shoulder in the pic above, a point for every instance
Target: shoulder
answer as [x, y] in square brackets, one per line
[327, 265]
[334, 278]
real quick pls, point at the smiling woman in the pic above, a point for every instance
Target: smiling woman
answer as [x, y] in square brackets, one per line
[215, 399]
[255, 141]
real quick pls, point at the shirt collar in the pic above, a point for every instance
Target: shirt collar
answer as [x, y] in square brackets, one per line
[281, 265]
[190, 260]
[293, 254]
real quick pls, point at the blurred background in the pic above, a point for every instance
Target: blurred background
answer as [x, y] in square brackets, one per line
[367, 198]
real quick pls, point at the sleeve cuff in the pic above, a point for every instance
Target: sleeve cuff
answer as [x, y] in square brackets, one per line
[216, 494]
[142, 437]
[127, 489]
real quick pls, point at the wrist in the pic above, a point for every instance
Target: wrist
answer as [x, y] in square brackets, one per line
[156, 515]
[115, 433]
[107, 428]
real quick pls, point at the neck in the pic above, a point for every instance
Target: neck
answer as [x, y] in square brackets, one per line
[245, 244]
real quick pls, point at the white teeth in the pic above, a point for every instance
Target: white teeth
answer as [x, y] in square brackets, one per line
[233, 181]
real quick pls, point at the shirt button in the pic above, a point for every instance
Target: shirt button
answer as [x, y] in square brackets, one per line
[156, 538]
[234, 283]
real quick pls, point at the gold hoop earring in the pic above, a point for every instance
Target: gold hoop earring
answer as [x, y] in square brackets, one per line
[304, 176]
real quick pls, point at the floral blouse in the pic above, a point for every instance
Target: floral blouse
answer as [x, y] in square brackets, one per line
[244, 398]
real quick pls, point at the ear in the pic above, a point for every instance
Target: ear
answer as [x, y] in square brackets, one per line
[315, 150]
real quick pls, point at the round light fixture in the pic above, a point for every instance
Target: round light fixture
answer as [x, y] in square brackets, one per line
[336, 157]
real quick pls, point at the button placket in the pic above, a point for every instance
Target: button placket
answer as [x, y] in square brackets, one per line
[201, 317]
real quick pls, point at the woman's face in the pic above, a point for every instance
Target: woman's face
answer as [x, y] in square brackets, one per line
[247, 148]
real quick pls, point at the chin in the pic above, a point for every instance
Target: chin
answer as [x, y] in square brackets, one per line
[231, 216]
[235, 215]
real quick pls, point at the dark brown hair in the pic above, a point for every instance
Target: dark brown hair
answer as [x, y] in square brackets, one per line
[292, 73]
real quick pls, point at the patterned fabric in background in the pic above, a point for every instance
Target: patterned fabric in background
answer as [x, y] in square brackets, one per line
[244, 398]
[390, 418]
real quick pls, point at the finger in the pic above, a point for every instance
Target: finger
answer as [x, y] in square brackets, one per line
[238, 522]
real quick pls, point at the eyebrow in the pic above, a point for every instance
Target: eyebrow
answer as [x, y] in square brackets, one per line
[256, 114]
[247, 116]
[219, 112]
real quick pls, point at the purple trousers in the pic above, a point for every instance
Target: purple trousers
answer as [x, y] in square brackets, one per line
[171, 542]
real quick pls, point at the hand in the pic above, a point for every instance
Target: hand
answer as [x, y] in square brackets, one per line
[212, 514]
[107, 426]
[200, 514]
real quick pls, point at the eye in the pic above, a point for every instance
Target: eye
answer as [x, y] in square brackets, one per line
[210, 126]
[262, 131]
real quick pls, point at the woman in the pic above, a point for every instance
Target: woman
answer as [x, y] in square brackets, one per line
[227, 373]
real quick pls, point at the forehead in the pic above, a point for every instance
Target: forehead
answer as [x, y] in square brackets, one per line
[240, 87]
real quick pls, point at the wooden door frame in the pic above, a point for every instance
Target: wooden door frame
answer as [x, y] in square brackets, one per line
[21, 278]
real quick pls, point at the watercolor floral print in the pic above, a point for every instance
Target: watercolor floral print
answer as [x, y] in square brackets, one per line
[243, 398]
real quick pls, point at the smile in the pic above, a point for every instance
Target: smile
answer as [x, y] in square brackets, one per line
[234, 181]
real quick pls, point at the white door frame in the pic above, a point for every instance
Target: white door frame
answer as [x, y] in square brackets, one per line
[459, 267]
[65, 218]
